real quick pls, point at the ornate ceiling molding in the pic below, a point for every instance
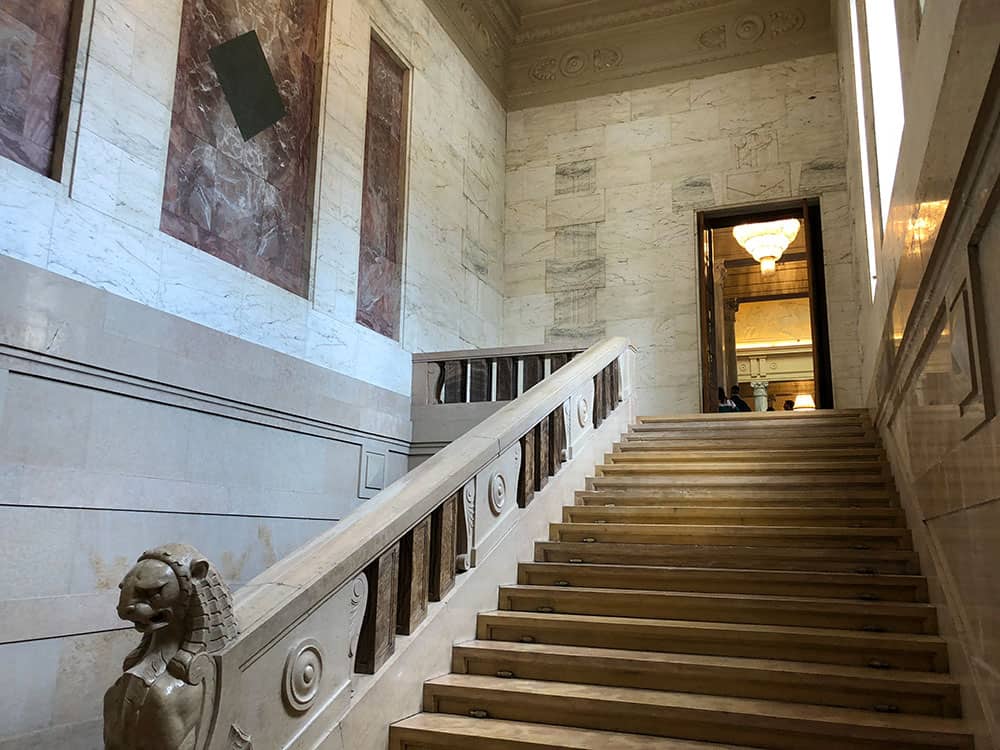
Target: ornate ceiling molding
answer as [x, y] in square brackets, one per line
[612, 20]
[484, 31]
[527, 62]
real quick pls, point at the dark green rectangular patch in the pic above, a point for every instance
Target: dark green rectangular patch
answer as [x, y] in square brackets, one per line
[248, 84]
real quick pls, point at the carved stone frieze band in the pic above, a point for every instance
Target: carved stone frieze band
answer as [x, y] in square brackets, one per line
[532, 55]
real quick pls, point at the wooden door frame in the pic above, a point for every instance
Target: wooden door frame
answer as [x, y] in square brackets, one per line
[808, 211]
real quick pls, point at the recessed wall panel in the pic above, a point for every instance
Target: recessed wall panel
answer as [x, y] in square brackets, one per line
[380, 264]
[247, 202]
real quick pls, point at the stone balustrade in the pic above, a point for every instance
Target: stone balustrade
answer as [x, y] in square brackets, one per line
[333, 609]
[481, 375]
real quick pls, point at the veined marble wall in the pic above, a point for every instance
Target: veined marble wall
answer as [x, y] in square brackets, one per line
[101, 225]
[248, 202]
[601, 203]
[33, 38]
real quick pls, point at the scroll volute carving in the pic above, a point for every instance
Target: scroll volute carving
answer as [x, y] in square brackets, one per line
[164, 699]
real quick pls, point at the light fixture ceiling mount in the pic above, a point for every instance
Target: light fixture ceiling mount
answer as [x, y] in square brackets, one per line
[766, 241]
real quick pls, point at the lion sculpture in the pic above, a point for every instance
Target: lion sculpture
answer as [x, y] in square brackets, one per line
[184, 610]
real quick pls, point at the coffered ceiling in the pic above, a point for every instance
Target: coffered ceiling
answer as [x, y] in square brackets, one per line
[533, 52]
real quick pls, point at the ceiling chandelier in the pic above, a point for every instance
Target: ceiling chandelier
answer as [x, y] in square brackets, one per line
[767, 240]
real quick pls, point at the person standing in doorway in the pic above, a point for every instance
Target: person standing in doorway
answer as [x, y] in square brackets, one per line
[737, 399]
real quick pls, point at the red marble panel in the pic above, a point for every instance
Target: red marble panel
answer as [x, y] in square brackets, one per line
[379, 268]
[33, 42]
[245, 202]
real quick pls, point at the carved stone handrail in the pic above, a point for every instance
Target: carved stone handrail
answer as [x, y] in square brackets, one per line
[334, 606]
[484, 375]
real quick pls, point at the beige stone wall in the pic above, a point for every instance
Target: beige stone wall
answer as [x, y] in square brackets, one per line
[601, 203]
[123, 428]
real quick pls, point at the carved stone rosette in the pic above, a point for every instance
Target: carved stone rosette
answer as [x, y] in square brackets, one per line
[165, 697]
[303, 674]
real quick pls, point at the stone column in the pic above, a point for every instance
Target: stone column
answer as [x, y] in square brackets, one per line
[759, 395]
[729, 344]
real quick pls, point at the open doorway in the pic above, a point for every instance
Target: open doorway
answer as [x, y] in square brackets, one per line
[763, 318]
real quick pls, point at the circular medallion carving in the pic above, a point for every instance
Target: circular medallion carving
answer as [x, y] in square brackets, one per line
[573, 63]
[498, 493]
[544, 69]
[750, 28]
[303, 673]
[583, 412]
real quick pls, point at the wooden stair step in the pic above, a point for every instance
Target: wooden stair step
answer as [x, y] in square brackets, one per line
[749, 432]
[782, 417]
[729, 481]
[901, 588]
[677, 442]
[910, 651]
[747, 536]
[752, 422]
[765, 724]
[843, 560]
[926, 693]
[785, 470]
[754, 516]
[644, 452]
[448, 732]
[755, 609]
[747, 499]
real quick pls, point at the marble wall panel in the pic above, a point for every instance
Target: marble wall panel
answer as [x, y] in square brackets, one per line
[34, 36]
[380, 264]
[623, 257]
[245, 202]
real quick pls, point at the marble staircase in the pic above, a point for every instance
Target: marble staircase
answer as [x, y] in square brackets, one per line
[729, 581]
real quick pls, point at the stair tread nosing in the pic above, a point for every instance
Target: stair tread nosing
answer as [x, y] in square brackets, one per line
[455, 732]
[736, 608]
[912, 679]
[916, 651]
[721, 711]
[725, 579]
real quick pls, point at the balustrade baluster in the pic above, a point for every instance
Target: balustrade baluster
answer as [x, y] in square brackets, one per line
[541, 457]
[454, 381]
[378, 629]
[480, 380]
[526, 483]
[414, 552]
[442, 552]
[599, 411]
[533, 371]
[506, 379]
[557, 440]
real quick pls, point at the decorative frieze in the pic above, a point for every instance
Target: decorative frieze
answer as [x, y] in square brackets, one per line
[573, 53]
